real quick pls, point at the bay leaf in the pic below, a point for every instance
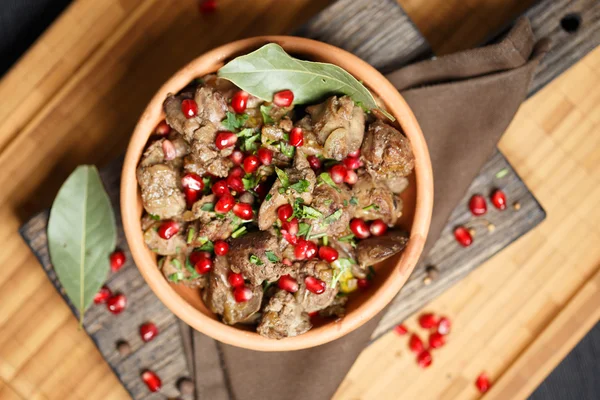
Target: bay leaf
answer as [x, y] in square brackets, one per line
[81, 236]
[270, 69]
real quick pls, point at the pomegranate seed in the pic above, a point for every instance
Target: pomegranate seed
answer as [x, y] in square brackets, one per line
[237, 172]
[103, 294]
[192, 181]
[169, 151]
[483, 383]
[313, 314]
[463, 236]
[477, 205]
[328, 254]
[284, 212]
[148, 331]
[219, 188]
[291, 239]
[351, 162]
[199, 255]
[436, 340]
[314, 162]
[424, 359]
[162, 129]
[262, 189]
[300, 249]
[117, 259]
[428, 321]
[444, 326]
[235, 183]
[237, 157]
[378, 227]
[116, 303]
[168, 229]
[224, 204]
[296, 137]
[311, 250]
[291, 226]
[287, 261]
[265, 156]
[239, 101]
[315, 285]
[251, 163]
[225, 139]
[338, 173]
[151, 380]
[242, 294]
[235, 280]
[191, 196]
[221, 247]
[286, 282]
[400, 330]
[189, 108]
[363, 284]
[351, 177]
[359, 228]
[203, 266]
[499, 199]
[243, 210]
[415, 343]
[355, 153]
[283, 98]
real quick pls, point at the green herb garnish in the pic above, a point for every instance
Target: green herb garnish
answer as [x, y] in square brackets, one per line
[326, 178]
[287, 149]
[265, 110]
[177, 264]
[371, 207]
[190, 235]
[301, 186]
[303, 229]
[234, 121]
[239, 232]
[268, 197]
[271, 256]
[283, 177]
[353, 201]
[207, 246]
[154, 217]
[502, 173]
[208, 207]
[346, 238]
[340, 267]
[333, 217]
[255, 260]
[250, 181]
[311, 213]
[175, 277]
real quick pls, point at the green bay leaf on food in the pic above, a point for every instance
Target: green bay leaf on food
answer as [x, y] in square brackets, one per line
[81, 235]
[270, 69]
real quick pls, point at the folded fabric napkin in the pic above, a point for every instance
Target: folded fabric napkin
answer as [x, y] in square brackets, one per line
[463, 102]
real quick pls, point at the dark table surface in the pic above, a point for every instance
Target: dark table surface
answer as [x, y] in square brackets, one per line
[576, 377]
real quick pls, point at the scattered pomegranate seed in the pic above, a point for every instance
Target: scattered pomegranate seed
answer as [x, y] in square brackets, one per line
[225, 139]
[463, 236]
[359, 228]
[243, 210]
[415, 343]
[287, 262]
[148, 331]
[189, 108]
[300, 249]
[235, 280]
[262, 189]
[221, 247]
[284, 212]
[351, 162]
[424, 359]
[291, 239]
[286, 282]
[242, 294]
[196, 256]
[378, 227]
[363, 284]
[265, 156]
[283, 98]
[483, 383]
[296, 137]
[428, 321]
[151, 380]
[291, 226]
[168, 229]
[314, 162]
[219, 188]
[477, 205]
[499, 199]
[436, 340]
[191, 196]
[314, 285]
[444, 326]
[400, 329]
[338, 173]
[116, 303]
[192, 181]
[117, 259]
[235, 183]
[103, 294]
[355, 153]
[351, 178]
[239, 101]
[162, 129]
[169, 151]
[203, 266]
[251, 163]
[311, 250]
[327, 253]
[224, 204]
[237, 157]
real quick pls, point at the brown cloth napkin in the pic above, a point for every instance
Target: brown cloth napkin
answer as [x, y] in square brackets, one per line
[464, 102]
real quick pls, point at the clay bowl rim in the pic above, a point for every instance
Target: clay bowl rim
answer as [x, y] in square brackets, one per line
[210, 62]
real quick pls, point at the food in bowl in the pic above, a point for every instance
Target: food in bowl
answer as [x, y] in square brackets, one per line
[274, 210]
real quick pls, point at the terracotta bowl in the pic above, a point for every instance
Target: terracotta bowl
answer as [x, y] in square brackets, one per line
[391, 275]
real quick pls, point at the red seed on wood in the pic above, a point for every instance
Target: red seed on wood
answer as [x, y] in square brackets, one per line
[477, 205]
[415, 343]
[499, 199]
[444, 326]
[424, 359]
[428, 321]
[436, 340]
[483, 383]
[151, 380]
[148, 331]
[463, 236]
[116, 303]
[117, 260]
[103, 294]
[400, 329]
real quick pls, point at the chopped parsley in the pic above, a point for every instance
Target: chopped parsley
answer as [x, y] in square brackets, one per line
[347, 238]
[301, 186]
[333, 217]
[255, 260]
[190, 235]
[326, 178]
[246, 132]
[327, 202]
[287, 149]
[175, 277]
[371, 207]
[208, 207]
[176, 264]
[345, 203]
[317, 235]
[325, 240]
[193, 273]
[250, 181]
[353, 201]
[268, 197]
[303, 229]
[283, 177]
[239, 232]
[271, 256]
[340, 267]
[311, 213]
[265, 110]
[250, 145]
[234, 121]
[154, 217]
[207, 246]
